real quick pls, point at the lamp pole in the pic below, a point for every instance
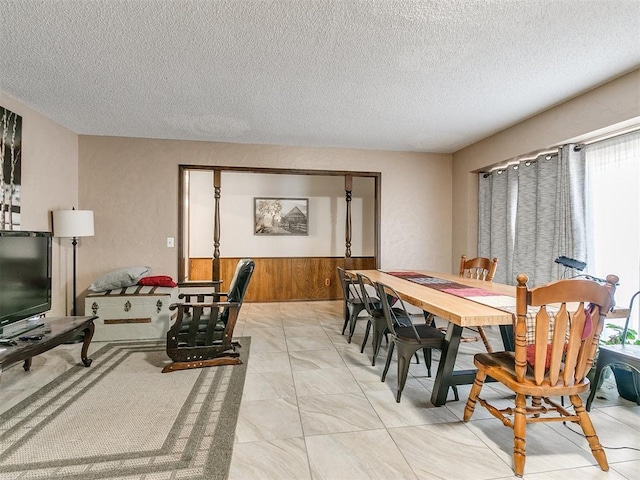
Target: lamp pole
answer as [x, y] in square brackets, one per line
[74, 242]
[73, 224]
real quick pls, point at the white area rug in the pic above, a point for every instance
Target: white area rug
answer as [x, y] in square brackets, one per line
[122, 418]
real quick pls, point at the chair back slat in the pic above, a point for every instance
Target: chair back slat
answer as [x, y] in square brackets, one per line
[541, 351]
[560, 322]
[194, 325]
[587, 354]
[574, 345]
[565, 335]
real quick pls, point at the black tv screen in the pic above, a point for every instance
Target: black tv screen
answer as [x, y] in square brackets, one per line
[25, 275]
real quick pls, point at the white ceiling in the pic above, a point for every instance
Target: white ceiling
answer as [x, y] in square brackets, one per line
[429, 75]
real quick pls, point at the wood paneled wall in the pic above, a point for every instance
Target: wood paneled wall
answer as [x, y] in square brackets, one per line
[284, 279]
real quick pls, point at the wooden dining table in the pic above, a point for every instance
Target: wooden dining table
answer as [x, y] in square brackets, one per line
[459, 312]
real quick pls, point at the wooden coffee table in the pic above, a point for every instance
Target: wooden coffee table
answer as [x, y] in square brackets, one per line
[55, 331]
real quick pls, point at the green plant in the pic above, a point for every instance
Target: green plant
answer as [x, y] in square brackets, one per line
[627, 378]
[616, 337]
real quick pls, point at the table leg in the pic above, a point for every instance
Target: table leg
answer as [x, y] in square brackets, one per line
[506, 331]
[444, 377]
[88, 335]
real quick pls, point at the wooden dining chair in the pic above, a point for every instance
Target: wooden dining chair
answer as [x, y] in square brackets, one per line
[479, 268]
[557, 327]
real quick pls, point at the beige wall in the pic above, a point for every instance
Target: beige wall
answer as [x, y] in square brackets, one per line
[49, 182]
[612, 103]
[132, 186]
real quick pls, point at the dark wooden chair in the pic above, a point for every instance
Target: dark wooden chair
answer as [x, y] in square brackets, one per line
[622, 354]
[202, 335]
[557, 328]
[479, 268]
[407, 336]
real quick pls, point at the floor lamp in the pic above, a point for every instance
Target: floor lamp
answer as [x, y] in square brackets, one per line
[73, 224]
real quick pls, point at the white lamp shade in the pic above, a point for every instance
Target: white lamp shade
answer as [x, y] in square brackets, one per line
[73, 223]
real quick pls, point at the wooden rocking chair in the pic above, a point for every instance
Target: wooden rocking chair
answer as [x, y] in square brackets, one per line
[202, 335]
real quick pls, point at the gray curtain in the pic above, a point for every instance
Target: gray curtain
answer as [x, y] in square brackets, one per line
[497, 217]
[570, 238]
[531, 213]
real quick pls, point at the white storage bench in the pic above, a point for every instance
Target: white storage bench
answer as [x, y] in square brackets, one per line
[132, 313]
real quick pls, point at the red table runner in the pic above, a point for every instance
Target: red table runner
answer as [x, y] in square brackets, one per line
[444, 285]
[479, 295]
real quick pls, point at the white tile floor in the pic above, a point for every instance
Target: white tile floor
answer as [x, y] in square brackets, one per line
[314, 408]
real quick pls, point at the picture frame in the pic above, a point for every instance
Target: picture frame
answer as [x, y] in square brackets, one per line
[11, 165]
[278, 216]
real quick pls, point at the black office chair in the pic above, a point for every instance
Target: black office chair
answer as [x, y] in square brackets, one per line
[622, 354]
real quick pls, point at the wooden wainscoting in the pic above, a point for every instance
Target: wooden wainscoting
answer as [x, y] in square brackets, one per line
[284, 279]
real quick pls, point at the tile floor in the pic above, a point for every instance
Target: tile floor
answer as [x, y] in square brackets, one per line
[314, 408]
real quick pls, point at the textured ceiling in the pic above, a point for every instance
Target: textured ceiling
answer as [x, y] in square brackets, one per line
[430, 75]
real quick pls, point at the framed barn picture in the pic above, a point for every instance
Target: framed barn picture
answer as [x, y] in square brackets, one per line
[281, 216]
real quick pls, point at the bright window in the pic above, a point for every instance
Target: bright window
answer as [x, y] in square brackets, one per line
[613, 213]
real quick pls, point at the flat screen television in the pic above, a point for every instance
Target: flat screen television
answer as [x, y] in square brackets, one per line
[25, 275]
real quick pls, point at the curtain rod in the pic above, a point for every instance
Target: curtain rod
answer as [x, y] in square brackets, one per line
[532, 156]
[610, 135]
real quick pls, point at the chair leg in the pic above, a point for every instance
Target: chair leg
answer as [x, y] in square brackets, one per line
[589, 432]
[388, 362]
[346, 318]
[405, 352]
[429, 318]
[352, 321]
[473, 395]
[366, 336]
[519, 434]
[485, 340]
[455, 392]
[600, 366]
[536, 402]
[379, 330]
[427, 360]
[403, 371]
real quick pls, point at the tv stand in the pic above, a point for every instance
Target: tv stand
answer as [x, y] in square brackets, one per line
[55, 331]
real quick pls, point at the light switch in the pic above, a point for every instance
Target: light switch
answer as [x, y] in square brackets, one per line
[171, 242]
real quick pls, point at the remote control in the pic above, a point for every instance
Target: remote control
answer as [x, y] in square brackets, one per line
[37, 336]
